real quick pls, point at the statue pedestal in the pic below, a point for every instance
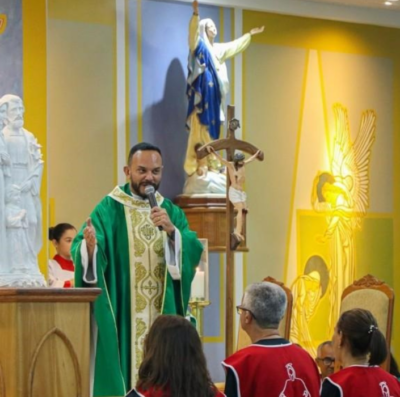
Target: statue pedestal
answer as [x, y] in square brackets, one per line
[45, 341]
[207, 216]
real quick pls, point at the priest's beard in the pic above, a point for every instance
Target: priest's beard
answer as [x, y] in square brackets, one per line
[135, 187]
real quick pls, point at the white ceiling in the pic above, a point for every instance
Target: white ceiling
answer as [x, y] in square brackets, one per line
[363, 3]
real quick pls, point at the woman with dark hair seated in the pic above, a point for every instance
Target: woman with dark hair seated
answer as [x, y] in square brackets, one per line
[173, 362]
[361, 347]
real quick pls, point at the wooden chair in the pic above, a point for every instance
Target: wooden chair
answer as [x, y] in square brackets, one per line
[284, 326]
[374, 295]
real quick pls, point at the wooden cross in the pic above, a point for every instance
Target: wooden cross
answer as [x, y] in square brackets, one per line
[230, 144]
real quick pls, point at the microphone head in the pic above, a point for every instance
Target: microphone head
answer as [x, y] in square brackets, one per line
[149, 190]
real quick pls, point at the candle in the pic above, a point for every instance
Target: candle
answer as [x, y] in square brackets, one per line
[198, 286]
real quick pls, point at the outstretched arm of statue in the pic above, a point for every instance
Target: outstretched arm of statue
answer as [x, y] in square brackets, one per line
[258, 154]
[194, 27]
[195, 6]
[232, 48]
[211, 150]
[255, 31]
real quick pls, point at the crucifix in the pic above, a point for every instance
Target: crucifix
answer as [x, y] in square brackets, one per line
[235, 200]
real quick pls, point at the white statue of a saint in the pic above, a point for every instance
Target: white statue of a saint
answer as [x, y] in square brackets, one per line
[22, 258]
[4, 173]
[22, 188]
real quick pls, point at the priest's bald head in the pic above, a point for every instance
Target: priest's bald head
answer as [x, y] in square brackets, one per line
[144, 168]
[262, 309]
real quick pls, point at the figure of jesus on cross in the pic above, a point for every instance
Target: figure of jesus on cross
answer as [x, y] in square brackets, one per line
[236, 197]
[235, 163]
[237, 177]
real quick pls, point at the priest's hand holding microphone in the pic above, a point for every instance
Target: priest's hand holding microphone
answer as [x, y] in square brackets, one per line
[158, 215]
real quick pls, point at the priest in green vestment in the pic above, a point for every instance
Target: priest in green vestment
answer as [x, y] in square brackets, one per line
[143, 259]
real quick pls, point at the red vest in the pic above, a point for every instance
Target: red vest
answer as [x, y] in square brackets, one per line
[274, 370]
[361, 381]
[65, 264]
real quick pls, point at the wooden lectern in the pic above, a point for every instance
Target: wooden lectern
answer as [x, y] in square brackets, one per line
[45, 342]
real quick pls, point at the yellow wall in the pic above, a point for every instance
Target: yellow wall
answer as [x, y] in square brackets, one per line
[35, 89]
[69, 95]
[290, 82]
[81, 88]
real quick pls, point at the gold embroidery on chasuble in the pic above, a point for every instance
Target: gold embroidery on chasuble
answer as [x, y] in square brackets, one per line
[147, 271]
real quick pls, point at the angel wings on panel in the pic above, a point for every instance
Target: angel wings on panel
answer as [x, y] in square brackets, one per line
[342, 194]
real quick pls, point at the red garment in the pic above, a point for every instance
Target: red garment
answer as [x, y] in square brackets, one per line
[65, 264]
[274, 370]
[152, 393]
[362, 380]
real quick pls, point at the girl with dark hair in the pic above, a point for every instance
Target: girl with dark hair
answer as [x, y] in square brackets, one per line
[173, 362]
[61, 268]
[361, 347]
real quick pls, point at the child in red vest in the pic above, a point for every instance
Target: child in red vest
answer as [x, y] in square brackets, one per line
[61, 268]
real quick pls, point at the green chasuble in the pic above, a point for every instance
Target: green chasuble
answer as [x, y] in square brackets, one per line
[136, 284]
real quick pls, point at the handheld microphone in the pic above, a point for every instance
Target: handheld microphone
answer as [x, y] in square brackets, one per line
[149, 192]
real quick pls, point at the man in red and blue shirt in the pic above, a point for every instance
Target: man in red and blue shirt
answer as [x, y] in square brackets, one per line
[272, 365]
